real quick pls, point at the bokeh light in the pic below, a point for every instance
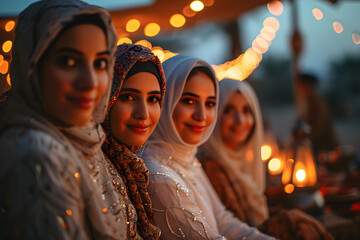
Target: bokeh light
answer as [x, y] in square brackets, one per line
[144, 43]
[9, 25]
[265, 152]
[272, 22]
[338, 28]
[267, 33]
[317, 13]
[275, 7]
[177, 20]
[158, 51]
[275, 166]
[300, 175]
[132, 25]
[4, 67]
[151, 29]
[289, 188]
[8, 80]
[7, 46]
[187, 11]
[197, 6]
[124, 40]
[208, 3]
[356, 38]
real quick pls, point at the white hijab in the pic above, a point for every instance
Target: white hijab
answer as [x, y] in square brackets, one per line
[243, 166]
[165, 136]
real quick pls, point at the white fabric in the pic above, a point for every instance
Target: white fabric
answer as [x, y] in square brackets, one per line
[185, 204]
[243, 166]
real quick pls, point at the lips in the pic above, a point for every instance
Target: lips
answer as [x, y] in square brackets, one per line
[82, 102]
[196, 128]
[139, 128]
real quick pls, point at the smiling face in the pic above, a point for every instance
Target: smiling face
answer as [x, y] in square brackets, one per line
[195, 111]
[74, 75]
[134, 115]
[236, 121]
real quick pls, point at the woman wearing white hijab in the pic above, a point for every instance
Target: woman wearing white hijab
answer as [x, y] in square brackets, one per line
[243, 166]
[231, 159]
[52, 180]
[184, 202]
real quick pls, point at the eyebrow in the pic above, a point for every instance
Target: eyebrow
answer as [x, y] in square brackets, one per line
[137, 91]
[72, 50]
[194, 95]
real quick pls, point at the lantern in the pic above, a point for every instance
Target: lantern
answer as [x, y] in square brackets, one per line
[300, 168]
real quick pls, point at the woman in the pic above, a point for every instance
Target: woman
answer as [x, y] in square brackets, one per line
[184, 202]
[52, 180]
[231, 160]
[137, 94]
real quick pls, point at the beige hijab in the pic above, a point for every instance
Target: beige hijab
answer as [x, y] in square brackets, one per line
[243, 166]
[38, 27]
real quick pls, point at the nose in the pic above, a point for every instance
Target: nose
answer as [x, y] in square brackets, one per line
[200, 112]
[87, 79]
[238, 118]
[141, 111]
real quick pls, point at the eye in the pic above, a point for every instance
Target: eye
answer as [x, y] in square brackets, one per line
[126, 97]
[101, 64]
[154, 99]
[229, 110]
[188, 101]
[211, 103]
[247, 109]
[66, 62]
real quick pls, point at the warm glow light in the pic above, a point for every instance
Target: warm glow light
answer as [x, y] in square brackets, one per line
[132, 25]
[197, 6]
[289, 188]
[272, 22]
[7, 46]
[168, 54]
[4, 67]
[317, 13]
[208, 3]
[265, 152]
[356, 38]
[159, 53]
[124, 40]
[144, 43]
[300, 175]
[267, 33]
[275, 166]
[77, 175]
[177, 20]
[1, 59]
[187, 11]
[338, 28]
[68, 212]
[151, 29]
[275, 7]
[8, 80]
[261, 44]
[9, 25]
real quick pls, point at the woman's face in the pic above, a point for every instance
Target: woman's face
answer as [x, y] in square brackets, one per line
[236, 121]
[195, 111]
[136, 112]
[73, 74]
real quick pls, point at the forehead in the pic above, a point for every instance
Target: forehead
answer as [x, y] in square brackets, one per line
[200, 84]
[237, 100]
[142, 81]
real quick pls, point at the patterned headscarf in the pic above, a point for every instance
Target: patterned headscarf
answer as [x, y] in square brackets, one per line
[132, 169]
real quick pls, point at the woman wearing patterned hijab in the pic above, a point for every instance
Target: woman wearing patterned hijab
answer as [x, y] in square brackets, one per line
[137, 94]
[52, 180]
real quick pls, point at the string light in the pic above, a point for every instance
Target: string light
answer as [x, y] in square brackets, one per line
[317, 13]
[177, 20]
[275, 7]
[132, 25]
[151, 29]
[338, 28]
[124, 40]
[7, 46]
[9, 25]
[197, 6]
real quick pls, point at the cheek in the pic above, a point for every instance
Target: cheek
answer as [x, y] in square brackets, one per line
[154, 113]
[210, 116]
[117, 117]
[103, 85]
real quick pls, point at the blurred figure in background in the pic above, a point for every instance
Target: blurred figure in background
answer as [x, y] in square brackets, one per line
[232, 161]
[315, 111]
